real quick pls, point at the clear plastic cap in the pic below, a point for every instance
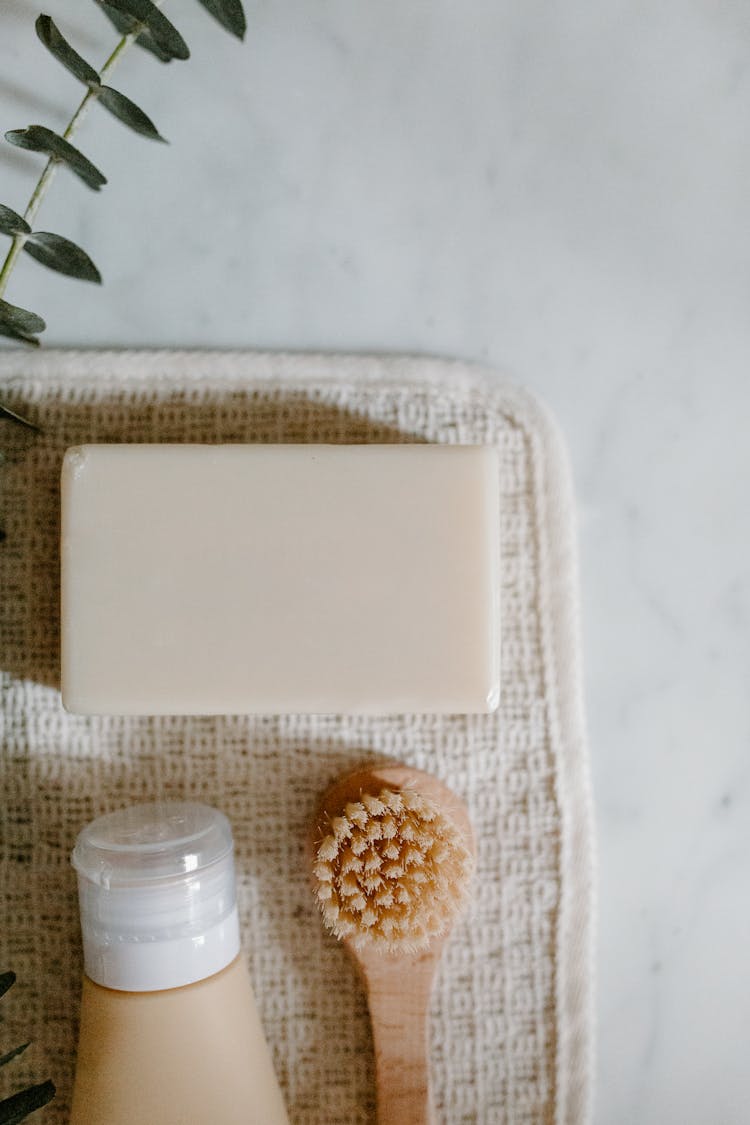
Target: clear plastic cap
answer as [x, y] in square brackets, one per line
[157, 895]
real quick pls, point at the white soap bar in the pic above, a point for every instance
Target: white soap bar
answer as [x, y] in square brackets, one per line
[220, 579]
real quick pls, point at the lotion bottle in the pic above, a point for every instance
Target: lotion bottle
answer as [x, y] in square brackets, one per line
[169, 1031]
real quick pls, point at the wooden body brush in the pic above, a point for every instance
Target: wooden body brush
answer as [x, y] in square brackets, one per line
[393, 854]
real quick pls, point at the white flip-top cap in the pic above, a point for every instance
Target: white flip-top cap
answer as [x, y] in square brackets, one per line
[157, 894]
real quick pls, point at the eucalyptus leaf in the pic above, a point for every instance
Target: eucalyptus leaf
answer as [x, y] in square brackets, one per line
[229, 13]
[61, 254]
[7, 980]
[12, 334]
[13, 1054]
[128, 112]
[11, 223]
[38, 138]
[58, 46]
[19, 1106]
[163, 32]
[6, 412]
[126, 24]
[19, 324]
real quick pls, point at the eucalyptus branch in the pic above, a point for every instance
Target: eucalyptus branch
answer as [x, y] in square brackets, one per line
[139, 22]
[19, 1106]
[50, 168]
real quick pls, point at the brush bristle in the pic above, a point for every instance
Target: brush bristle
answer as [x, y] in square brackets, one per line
[392, 871]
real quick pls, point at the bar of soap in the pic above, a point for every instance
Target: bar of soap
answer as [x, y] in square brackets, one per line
[224, 579]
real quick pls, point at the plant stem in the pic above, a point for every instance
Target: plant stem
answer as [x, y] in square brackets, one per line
[50, 168]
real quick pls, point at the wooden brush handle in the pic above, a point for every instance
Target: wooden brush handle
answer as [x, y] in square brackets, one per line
[398, 985]
[399, 1000]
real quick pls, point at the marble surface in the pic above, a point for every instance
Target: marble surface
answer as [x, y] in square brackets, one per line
[561, 191]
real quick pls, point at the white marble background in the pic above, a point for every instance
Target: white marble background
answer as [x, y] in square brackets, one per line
[562, 191]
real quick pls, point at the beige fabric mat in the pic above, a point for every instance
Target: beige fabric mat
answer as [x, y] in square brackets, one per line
[511, 1020]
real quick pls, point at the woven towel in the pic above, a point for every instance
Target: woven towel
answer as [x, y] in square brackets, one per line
[510, 1023]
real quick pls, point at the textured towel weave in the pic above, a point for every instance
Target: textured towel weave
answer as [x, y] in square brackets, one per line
[511, 1021]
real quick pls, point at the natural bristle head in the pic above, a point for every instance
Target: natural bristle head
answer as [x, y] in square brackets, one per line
[392, 871]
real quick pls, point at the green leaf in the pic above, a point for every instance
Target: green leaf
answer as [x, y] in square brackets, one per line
[13, 1054]
[6, 412]
[12, 334]
[126, 24]
[58, 46]
[11, 223]
[229, 13]
[163, 32]
[37, 138]
[18, 1107]
[62, 255]
[19, 324]
[128, 112]
[7, 980]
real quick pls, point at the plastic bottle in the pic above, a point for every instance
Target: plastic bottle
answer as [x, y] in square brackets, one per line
[170, 1032]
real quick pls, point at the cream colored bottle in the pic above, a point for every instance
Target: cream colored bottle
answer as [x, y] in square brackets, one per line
[170, 1032]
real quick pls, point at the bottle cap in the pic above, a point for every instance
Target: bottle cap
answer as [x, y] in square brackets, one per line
[157, 895]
